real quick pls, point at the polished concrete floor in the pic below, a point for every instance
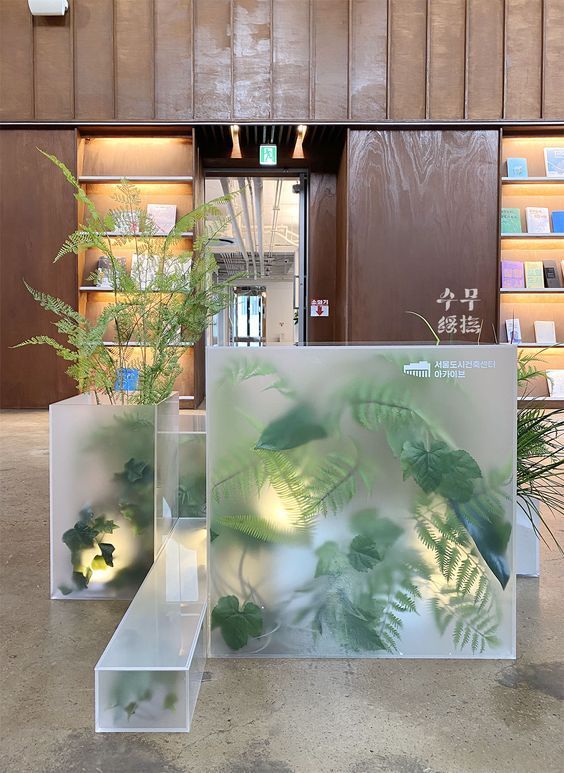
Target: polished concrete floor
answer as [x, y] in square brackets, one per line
[263, 716]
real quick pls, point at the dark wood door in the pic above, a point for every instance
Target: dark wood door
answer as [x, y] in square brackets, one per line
[422, 227]
[37, 212]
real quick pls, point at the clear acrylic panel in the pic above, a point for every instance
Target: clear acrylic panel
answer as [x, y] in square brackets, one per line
[166, 466]
[361, 501]
[192, 465]
[149, 675]
[102, 479]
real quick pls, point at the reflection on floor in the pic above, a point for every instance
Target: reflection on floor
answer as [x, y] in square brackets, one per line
[270, 716]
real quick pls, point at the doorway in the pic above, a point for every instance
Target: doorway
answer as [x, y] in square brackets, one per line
[262, 247]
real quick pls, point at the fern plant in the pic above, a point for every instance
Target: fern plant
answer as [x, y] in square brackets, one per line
[166, 302]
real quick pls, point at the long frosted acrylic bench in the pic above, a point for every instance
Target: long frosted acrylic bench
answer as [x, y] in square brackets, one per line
[149, 675]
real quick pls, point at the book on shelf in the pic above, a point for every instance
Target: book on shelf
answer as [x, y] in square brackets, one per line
[511, 220]
[554, 162]
[512, 274]
[555, 381]
[545, 332]
[513, 328]
[104, 279]
[562, 268]
[163, 216]
[517, 167]
[537, 220]
[551, 274]
[558, 221]
[534, 274]
[127, 379]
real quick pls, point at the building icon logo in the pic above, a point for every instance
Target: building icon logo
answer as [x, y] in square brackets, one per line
[421, 369]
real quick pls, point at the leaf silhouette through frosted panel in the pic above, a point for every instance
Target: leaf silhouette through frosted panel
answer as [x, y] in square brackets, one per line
[295, 428]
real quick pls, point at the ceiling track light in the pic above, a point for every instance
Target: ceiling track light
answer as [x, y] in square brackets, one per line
[236, 149]
[48, 7]
[298, 147]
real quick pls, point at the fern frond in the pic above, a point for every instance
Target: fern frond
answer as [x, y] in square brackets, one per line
[242, 474]
[264, 529]
[62, 351]
[287, 480]
[55, 305]
[334, 483]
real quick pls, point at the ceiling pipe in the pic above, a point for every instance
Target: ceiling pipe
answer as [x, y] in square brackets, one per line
[233, 217]
[258, 185]
[247, 219]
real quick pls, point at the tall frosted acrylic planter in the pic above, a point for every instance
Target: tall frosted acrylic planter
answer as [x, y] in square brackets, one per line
[527, 538]
[114, 493]
[149, 676]
[361, 501]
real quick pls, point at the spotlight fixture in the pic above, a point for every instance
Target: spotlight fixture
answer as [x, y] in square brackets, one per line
[48, 7]
[236, 149]
[298, 147]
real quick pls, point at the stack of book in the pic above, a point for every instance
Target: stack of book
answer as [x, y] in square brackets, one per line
[531, 274]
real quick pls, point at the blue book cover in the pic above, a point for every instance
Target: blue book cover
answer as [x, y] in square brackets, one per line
[517, 167]
[554, 162]
[558, 221]
[127, 379]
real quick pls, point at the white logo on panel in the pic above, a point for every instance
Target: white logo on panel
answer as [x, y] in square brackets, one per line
[421, 369]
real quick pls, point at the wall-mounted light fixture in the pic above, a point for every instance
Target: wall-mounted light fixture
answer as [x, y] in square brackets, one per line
[236, 149]
[298, 147]
[48, 7]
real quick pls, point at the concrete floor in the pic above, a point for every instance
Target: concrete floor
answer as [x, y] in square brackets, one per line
[276, 717]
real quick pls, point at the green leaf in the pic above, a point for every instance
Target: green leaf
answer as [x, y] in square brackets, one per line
[296, 428]
[80, 536]
[130, 709]
[331, 561]
[81, 579]
[236, 625]
[104, 526]
[170, 701]
[107, 552]
[98, 563]
[134, 471]
[425, 465]
[381, 530]
[363, 553]
[459, 470]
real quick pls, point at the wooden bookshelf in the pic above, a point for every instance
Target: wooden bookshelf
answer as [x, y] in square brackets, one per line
[162, 167]
[526, 304]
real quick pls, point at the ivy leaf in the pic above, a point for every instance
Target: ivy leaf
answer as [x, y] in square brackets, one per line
[130, 709]
[81, 579]
[363, 553]
[98, 563]
[457, 482]
[236, 625]
[107, 552]
[425, 465]
[104, 526]
[296, 428]
[382, 531]
[170, 701]
[134, 471]
[80, 536]
[357, 627]
[330, 560]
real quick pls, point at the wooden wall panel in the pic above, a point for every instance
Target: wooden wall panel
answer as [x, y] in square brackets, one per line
[523, 49]
[173, 59]
[330, 59]
[53, 66]
[16, 61]
[369, 59]
[30, 236]
[484, 79]
[445, 74]
[322, 266]
[407, 58]
[94, 59]
[290, 59]
[252, 91]
[212, 60]
[448, 235]
[553, 94]
[341, 328]
[135, 59]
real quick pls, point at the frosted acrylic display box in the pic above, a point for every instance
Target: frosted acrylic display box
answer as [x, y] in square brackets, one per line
[149, 675]
[361, 501]
[114, 493]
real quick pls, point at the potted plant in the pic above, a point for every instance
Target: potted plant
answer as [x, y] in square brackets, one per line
[540, 467]
[114, 447]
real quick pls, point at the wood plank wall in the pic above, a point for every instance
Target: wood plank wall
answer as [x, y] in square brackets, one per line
[294, 60]
[415, 226]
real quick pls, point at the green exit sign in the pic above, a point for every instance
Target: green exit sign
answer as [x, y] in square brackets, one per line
[268, 155]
